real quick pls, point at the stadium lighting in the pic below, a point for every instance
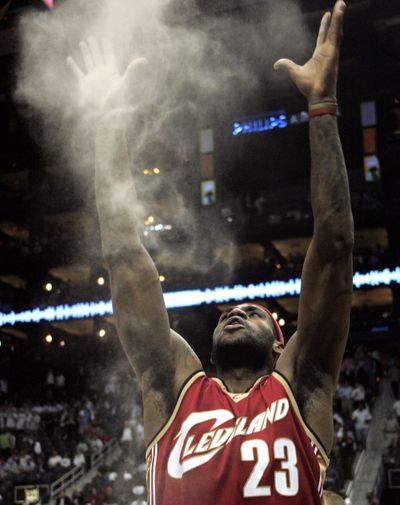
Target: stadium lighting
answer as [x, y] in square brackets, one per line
[48, 286]
[193, 298]
[49, 338]
[100, 281]
[49, 3]
[102, 333]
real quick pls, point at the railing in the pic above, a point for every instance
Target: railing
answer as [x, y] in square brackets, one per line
[32, 492]
[98, 457]
[76, 473]
[66, 480]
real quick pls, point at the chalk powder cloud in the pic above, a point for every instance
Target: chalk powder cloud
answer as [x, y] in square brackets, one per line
[198, 67]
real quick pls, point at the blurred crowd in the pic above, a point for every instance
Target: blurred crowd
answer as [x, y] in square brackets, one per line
[360, 376]
[40, 442]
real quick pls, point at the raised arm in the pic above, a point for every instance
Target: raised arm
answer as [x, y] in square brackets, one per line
[313, 355]
[161, 359]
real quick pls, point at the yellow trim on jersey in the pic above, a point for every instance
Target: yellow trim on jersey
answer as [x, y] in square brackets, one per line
[325, 459]
[171, 418]
[236, 397]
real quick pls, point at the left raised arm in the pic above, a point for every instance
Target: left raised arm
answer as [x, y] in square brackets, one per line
[316, 350]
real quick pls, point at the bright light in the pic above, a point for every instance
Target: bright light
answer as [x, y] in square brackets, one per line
[192, 298]
[150, 219]
[162, 278]
[100, 281]
[49, 3]
[145, 171]
[49, 338]
[48, 286]
[102, 333]
[62, 343]
[281, 322]
[1, 343]
[275, 315]
[156, 170]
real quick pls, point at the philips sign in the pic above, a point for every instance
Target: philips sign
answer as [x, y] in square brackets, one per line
[262, 123]
[271, 121]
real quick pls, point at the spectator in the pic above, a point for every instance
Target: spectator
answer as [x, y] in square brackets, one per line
[127, 438]
[396, 409]
[26, 463]
[77, 498]
[59, 381]
[110, 498]
[390, 430]
[358, 394]
[347, 450]
[7, 442]
[65, 462]
[32, 421]
[361, 418]
[79, 458]
[84, 419]
[345, 395]
[95, 497]
[63, 499]
[372, 498]
[394, 379]
[139, 493]
[348, 367]
[96, 443]
[37, 448]
[54, 460]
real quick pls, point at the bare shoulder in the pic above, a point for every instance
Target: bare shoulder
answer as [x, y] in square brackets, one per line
[162, 383]
[312, 389]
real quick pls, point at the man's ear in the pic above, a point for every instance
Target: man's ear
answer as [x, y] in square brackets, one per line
[277, 349]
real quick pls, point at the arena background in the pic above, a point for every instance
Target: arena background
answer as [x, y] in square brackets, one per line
[224, 182]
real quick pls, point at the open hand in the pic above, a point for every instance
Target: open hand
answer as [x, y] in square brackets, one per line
[317, 79]
[102, 90]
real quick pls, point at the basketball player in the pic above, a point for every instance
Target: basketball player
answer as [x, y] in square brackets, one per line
[261, 432]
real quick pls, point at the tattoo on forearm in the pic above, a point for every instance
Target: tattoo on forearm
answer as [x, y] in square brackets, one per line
[330, 195]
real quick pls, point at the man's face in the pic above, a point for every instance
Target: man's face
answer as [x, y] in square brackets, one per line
[244, 330]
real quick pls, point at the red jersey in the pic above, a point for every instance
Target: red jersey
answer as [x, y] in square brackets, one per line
[220, 448]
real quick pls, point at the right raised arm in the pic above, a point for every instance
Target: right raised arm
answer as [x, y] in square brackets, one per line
[161, 359]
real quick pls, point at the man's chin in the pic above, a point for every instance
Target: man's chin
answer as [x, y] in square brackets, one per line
[238, 349]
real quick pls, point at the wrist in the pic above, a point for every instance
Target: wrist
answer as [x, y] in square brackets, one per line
[323, 108]
[315, 100]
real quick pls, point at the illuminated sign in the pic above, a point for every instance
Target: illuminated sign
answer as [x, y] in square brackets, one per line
[194, 297]
[262, 123]
[267, 122]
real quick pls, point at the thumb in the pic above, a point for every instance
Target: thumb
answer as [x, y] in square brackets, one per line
[287, 65]
[134, 68]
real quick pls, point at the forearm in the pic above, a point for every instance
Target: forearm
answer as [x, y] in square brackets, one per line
[138, 302]
[116, 199]
[330, 194]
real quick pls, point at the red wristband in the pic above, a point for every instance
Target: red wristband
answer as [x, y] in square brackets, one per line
[322, 111]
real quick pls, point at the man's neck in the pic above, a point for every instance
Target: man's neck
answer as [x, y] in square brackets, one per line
[239, 380]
